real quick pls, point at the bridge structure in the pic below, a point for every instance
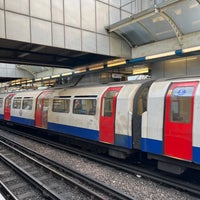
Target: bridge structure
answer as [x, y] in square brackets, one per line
[89, 35]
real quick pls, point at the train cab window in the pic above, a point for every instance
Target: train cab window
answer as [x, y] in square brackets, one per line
[1, 102]
[108, 103]
[17, 103]
[61, 105]
[84, 106]
[27, 103]
[181, 104]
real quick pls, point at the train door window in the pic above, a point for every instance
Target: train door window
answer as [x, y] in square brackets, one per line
[61, 104]
[84, 106]
[108, 103]
[17, 102]
[27, 103]
[39, 103]
[1, 102]
[142, 102]
[181, 102]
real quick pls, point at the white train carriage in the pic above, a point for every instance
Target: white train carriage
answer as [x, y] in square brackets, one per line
[23, 107]
[102, 113]
[75, 111]
[171, 123]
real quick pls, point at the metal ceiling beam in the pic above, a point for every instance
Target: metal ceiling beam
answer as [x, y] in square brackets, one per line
[173, 25]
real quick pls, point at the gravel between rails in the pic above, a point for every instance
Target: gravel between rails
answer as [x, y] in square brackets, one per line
[139, 188]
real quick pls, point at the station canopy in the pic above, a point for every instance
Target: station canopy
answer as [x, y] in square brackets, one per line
[171, 19]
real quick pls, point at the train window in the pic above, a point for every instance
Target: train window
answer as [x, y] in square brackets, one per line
[142, 101]
[181, 104]
[1, 102]
[61, 105]
[27, 103]
[17, 103]
[84, 106]
[108, 103]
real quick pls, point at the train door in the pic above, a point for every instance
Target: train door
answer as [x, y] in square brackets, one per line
[41, 113]
[7, 106]
[179, 120]
[107, 114]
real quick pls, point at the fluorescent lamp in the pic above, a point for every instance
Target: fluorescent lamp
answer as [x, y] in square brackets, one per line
[160, 55]
[29, 81]
[55, 76]
[45, 78]
[38, 79]
[96, 67]
[140, 70]
[80, 70]
[67, 74]
[187, 50]
[116, 64]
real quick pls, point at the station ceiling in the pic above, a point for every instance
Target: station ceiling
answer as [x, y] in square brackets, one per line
[39, 55]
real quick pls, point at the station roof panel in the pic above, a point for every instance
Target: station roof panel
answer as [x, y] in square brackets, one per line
[167, 20]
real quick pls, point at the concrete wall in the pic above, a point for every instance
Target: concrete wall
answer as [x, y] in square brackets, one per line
[176, 67]
[10, 71]
[71, 24]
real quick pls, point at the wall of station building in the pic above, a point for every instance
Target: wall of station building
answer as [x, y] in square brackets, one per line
[71, 24]
[11, 71]
[183, 66]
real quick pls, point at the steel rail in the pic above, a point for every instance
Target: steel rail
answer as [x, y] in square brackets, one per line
[110, 191]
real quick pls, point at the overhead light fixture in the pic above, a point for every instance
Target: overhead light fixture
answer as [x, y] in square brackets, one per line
[96, 67]
[160, 55]
[116, 62]
[140, 70]
[38, 79]
[55, 76]
[67, 74]
[191, 49]
[29, 81]
[45, 78]
[80, 70]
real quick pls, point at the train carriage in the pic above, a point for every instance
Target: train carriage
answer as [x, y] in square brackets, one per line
[23, 107]
[172, 118]
[158, 118]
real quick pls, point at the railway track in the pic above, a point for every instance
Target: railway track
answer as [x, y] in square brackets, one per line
[146, 173]
[51, 179]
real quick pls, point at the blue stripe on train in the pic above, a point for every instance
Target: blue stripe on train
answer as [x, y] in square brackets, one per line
[75, 131]
[196, 154]
[152, 146]
[1, 116]
[120, 140]
[123, 141]
[20, 120]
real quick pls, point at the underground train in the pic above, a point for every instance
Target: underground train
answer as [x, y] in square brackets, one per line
[158, 118]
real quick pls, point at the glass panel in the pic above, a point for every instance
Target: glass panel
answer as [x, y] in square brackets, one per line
[108, 103]
[84, 106]
[187, 23]
[136, 33]
[27, 103]
[1, 102]
[181, 100]
[17, 102]
[61, 105]
[142, 102]
[159, 27]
